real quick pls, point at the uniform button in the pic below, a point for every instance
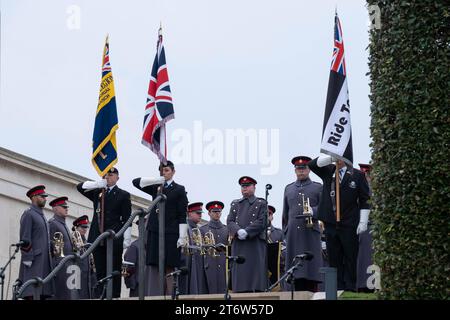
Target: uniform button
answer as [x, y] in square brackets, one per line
[251, 222]
[253, 214]
[218, 266]
[299, 204]
[298, 227]
[256, 207]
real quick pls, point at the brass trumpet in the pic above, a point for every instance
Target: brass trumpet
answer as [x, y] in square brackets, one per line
[58, 245]
[210, 242]
[307, 210]
[198, 239]
[269, 232]
[77, 242]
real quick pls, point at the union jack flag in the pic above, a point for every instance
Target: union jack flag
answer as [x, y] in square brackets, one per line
[338, 61]
[159, 108]
[337, 130]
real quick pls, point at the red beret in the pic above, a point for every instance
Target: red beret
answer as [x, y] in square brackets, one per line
[271, 208]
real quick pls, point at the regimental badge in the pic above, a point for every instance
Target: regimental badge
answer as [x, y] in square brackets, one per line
[352, 185]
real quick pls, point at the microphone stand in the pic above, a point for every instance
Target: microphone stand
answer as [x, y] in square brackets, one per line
[175, 290]
[3, 269]
[227, 291]
[104, 282]
[289, 276]
[266, 226]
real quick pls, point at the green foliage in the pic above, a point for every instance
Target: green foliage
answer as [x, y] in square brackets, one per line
[410, 83]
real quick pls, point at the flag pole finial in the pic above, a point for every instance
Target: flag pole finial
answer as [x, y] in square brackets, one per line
[160, 28]
[335, 10]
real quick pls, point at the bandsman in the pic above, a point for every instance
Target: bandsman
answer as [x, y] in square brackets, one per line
[247, 225]
[303, 233]
[215, 262]
[36, 258]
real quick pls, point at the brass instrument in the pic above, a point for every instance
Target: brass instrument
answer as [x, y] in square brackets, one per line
[307, 210]
[127, 268]
[198, 239]
[185, 248]
[269, 232]
[77, 242]
[210, 242]
[58, 245]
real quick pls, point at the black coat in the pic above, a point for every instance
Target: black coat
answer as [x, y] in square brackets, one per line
[175, 214]
[354, 194]
[117, 209]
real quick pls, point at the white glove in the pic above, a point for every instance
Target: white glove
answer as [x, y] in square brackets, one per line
[91, 185]
[27, 263]
[363, 220]
[324, 245]
[242, 234]
[323, 161]
[149, 181]
[127, 238]
[183, 227]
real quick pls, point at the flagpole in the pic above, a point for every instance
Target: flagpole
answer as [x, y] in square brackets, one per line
[338, 198]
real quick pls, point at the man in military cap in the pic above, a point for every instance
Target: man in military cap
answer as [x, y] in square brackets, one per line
[87, 266]
[116, 211]
[273, 234]
[302, 236]
[365, 250]
[196, 269]
[130, 264]
[215, 265]
[342, 237]
[59, 232]
[175, 225]
[247, 224]
[36, 258]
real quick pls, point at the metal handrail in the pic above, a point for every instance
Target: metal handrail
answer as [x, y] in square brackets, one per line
[108, 234]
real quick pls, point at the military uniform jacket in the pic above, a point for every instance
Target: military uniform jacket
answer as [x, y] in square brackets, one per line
[175, 210]
[36, 259]
[58, 224]
[249, 214]
[354, 194]
[132, 255]
[197, 279]
[300, 238]
[215, 266]
[116, 212]
[275, 234]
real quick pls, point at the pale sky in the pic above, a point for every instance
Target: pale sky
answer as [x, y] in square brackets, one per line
[260, 65]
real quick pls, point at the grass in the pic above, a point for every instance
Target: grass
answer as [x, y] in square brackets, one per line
[357, 296]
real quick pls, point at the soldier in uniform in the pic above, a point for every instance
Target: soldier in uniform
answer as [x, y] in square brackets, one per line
[87, 266]
[36, 258]
[300, 236]
[342, 237]
[365, 251]
[58, 225]
[215, 269]
[131, 257]
[247, 224]
[175, 226]
[117, 210]
[196, 269]
[274, 234]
